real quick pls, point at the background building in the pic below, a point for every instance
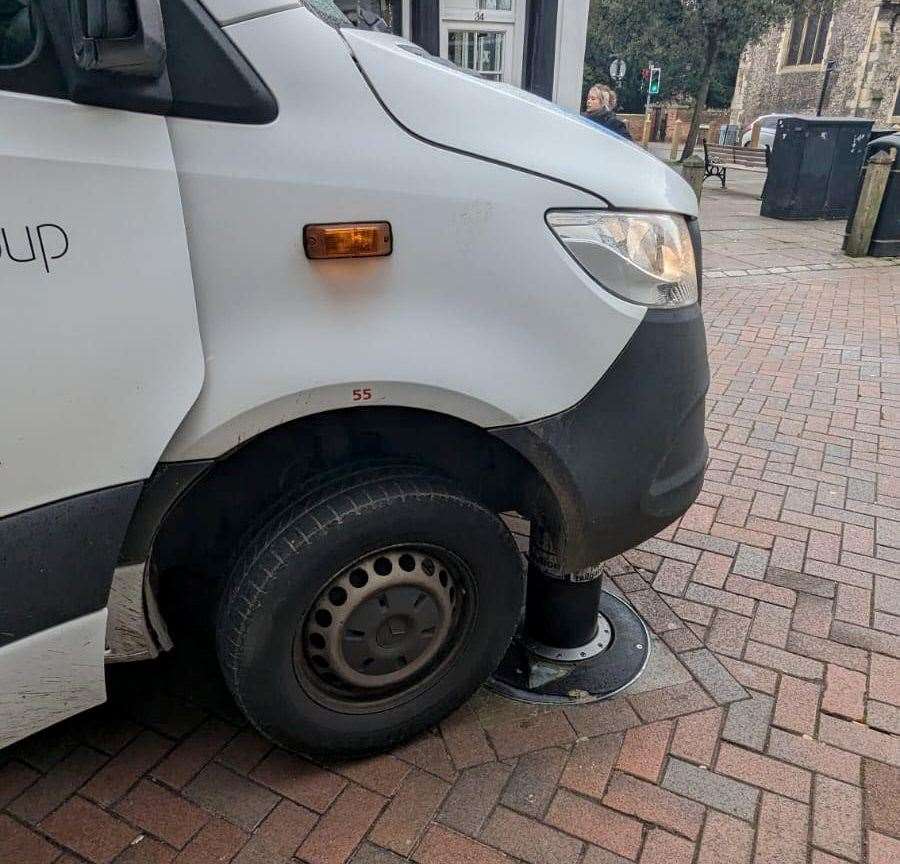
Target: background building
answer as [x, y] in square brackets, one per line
[535, 44]
[785, 71]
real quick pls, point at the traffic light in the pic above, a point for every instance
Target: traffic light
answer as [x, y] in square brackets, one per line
[654, 80]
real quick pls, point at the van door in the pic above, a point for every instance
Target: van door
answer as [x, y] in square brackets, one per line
[100, 356]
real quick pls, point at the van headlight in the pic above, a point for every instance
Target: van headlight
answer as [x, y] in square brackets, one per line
[646, 258]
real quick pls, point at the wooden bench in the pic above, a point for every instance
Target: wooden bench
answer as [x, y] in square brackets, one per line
[719, 158]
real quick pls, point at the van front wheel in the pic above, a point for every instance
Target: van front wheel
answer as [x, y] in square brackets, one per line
[367, 610]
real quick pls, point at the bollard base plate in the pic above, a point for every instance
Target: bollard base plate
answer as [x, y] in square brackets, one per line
[527, 676]
[597, 645]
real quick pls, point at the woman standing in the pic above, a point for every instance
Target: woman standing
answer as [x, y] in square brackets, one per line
[601, 104]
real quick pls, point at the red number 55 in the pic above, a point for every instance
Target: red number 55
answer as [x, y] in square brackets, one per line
[362, 394]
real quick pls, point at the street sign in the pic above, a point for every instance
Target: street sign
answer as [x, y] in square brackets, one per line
[617, 70]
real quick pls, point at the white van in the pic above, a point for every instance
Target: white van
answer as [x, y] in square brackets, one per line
[297, 309]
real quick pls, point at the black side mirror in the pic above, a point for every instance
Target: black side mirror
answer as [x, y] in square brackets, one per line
[363, 16]
[22, 33]
[366, 20]
[124, 36]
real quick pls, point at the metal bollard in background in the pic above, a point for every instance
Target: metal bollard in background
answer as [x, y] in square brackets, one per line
[754, 136]
[877, 173]
[693, 169]
[645, 133]
[676, 141]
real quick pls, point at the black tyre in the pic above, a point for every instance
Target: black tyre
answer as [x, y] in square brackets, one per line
[367, 610]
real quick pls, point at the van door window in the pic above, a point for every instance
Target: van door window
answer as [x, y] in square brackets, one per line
[27, 60]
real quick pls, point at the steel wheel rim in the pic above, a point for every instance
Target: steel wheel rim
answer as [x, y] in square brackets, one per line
[357, 653]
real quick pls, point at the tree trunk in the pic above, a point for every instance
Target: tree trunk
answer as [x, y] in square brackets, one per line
[712, 53]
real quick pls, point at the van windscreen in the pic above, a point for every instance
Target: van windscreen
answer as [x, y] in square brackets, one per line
[328, 12]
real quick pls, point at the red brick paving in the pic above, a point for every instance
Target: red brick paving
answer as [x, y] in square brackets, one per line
[595, 823]
[219, 841]
[663, 848]
[84, 828]
[19, 843]
[725, 839]
[161, 813]
[767, 732]
[644, 750]
[345, 824]
[590, 765]
[441, 846]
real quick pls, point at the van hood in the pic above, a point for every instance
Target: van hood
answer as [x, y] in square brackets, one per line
[453, 108]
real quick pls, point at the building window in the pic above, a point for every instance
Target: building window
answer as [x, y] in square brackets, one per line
[480, 51]
[806, 43]
[496, 5]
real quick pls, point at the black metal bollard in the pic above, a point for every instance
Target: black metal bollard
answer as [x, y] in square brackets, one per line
[579, 643]
[561, 608]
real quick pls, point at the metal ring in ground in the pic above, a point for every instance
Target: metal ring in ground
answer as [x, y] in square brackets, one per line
[595, 646]
[525, 676]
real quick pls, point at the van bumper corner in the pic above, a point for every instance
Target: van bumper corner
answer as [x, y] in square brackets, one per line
[629, 458]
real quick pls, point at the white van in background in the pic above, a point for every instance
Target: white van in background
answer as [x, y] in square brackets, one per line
[767, 124]
[297, 309]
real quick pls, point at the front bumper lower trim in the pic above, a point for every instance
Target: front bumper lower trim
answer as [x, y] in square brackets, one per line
[629, 458]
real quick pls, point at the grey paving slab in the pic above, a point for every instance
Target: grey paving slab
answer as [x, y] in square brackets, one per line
[663, 670]
[747, 722]
[700, 784]
[713, 676]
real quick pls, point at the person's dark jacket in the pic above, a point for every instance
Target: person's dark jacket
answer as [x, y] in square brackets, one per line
[606, 118]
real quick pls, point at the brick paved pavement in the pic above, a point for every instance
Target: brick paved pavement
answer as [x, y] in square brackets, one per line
[766, 728]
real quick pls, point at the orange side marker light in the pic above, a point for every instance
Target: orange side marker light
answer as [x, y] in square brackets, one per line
[348, 240]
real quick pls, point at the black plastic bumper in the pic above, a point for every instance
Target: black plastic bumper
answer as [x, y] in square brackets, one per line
[629, 458]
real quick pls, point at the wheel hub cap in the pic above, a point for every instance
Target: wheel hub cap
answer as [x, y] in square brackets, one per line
[379, 623]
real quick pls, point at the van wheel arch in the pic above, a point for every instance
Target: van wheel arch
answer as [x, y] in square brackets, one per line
[195, 541]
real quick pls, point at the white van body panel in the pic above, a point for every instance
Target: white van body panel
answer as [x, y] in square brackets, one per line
[498, 121]
[99, 346]
[51, 675]
[448, 322]
[230, 11]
